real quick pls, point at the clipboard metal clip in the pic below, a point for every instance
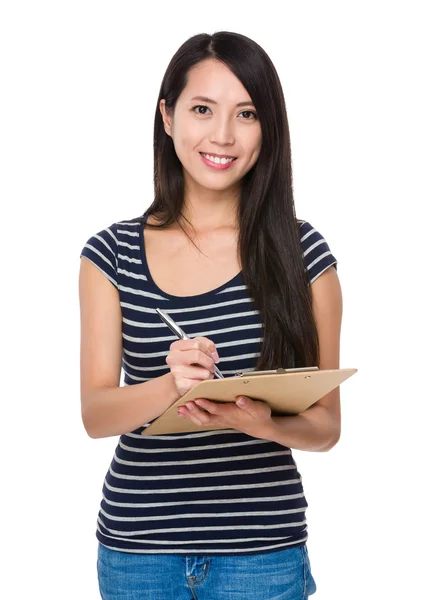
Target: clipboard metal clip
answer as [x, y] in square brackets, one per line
[276, 371]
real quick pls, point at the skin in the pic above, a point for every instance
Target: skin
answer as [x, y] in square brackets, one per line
[315, 429]
[211, 197]
[196, 126]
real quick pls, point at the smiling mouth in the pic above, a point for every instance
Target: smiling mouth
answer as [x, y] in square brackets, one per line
[219, 159]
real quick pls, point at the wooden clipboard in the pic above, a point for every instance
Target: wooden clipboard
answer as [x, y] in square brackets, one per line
[286, 391]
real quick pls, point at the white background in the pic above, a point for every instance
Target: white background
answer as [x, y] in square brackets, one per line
[80, 82]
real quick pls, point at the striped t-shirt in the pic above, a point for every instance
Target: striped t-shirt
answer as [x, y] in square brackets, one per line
[213, 492]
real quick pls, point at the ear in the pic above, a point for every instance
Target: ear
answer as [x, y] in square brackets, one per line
[165, 117]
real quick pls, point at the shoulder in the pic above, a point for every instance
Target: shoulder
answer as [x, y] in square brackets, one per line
[317, 254]
[112, 236]
[103, 248]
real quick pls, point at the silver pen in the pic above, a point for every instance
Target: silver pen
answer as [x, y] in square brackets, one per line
[180, 333]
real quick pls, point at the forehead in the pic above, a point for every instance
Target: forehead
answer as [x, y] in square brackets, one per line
[213, 79]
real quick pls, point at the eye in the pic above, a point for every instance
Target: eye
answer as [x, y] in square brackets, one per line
[249, 112]
[200, 106]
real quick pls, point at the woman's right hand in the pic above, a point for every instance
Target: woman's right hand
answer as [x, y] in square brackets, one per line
[192, 361]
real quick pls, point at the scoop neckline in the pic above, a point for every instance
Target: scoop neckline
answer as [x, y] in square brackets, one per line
[179, 299]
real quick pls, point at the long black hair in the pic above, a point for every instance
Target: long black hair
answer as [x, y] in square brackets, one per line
[269, 243]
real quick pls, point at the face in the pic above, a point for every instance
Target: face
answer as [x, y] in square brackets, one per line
[214, 121]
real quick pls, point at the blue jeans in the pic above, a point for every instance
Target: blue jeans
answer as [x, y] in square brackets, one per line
[280, 575]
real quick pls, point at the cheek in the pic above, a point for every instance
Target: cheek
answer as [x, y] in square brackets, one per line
[256, 147]
[258, 142]
[252, 142]
[186, 136]
[185, 144]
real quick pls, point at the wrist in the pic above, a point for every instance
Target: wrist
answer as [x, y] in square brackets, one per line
[269, 431]
[172, 392]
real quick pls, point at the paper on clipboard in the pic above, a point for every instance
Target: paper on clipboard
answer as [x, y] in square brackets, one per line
[286, 391]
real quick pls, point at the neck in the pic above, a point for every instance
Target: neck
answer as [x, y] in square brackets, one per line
[211, 210]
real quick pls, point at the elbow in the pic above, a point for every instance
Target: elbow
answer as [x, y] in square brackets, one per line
[93, 434]
[90, 425]
[91, 417]
[332, 428]
[333, 440]
[90, 430]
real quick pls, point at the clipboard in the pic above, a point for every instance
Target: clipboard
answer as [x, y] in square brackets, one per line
[286, 391]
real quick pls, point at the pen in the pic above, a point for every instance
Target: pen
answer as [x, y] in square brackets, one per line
[180, 333]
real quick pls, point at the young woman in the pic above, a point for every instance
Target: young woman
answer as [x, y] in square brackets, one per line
[211, 514]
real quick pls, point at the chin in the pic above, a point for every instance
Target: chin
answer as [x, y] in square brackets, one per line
[222, 186]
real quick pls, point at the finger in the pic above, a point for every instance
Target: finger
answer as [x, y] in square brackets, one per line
[198, 416]
[191, 372]
[189, 417]
[208, 405]
[190, 357]
[199, 343]
[246, 404]
[210, 346]
[198, 357]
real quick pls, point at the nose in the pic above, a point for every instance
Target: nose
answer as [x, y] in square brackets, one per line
[222, 133]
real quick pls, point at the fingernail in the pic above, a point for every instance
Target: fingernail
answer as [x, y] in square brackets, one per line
[215, 356]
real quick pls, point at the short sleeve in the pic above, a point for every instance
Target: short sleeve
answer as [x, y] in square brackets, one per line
[317, 255]
[101, 250]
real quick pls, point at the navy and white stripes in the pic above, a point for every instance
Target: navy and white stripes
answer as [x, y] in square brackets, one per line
[216, 492]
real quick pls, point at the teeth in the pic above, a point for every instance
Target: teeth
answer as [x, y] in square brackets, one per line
[217, 160]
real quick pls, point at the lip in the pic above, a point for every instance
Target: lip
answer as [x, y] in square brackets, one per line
[218, 155]
[216, 167]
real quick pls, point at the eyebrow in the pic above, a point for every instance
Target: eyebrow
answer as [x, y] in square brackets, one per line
[210, 101]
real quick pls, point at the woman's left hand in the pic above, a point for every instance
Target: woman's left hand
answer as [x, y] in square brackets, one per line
[249, 416]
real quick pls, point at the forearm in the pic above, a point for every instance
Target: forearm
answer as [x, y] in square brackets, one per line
[117, 410]
[315, 430]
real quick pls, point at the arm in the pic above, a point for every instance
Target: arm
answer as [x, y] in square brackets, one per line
[317, 428]
[108, 409]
